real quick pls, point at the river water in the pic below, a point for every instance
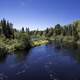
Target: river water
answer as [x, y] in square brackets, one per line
[41, 63]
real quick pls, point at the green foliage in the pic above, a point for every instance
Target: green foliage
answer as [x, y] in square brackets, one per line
[58, 29]
[12, 39]
[24, 39]
[7, 29]
[68, 33]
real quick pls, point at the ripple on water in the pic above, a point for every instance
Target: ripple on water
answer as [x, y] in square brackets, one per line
[50, 62]
[52, 74]
[52, 77]
[26, 66]
[47, 65]
[21, 72]
[3, 76]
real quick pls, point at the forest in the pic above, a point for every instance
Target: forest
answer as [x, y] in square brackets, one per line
[12, 39]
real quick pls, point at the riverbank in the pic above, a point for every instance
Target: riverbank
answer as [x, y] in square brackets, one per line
[9, 46]
[65, 41]
[40, 42]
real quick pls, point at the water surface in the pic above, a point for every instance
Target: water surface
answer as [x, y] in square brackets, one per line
[41, 63]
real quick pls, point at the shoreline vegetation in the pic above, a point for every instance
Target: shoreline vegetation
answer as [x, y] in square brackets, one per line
[40, 42]
[12, 39]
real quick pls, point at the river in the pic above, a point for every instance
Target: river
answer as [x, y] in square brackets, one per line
[41, 63]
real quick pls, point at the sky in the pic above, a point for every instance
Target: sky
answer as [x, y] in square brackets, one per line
[39, 14]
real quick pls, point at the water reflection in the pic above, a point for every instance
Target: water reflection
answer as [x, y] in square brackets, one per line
[72, 45]
[76, 54]
[3, 56]
[21, 55]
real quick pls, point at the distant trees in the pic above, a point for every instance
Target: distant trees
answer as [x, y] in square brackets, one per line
[7, 28]
[72, 30]
[49, 32]
[27, 30]
[22, 30]
[58, 29]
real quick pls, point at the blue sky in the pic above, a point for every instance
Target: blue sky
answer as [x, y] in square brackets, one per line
[39, 13]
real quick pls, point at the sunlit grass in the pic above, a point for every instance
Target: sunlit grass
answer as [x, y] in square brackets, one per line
[40, 42]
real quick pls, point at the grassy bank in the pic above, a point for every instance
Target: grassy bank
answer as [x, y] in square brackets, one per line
[11, 45]
[40, 42]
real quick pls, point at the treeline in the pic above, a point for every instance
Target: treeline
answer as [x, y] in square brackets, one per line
[67, 32]
[6, 29]
[12, 39]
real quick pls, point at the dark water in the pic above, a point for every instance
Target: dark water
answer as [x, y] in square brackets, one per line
[41, 63]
